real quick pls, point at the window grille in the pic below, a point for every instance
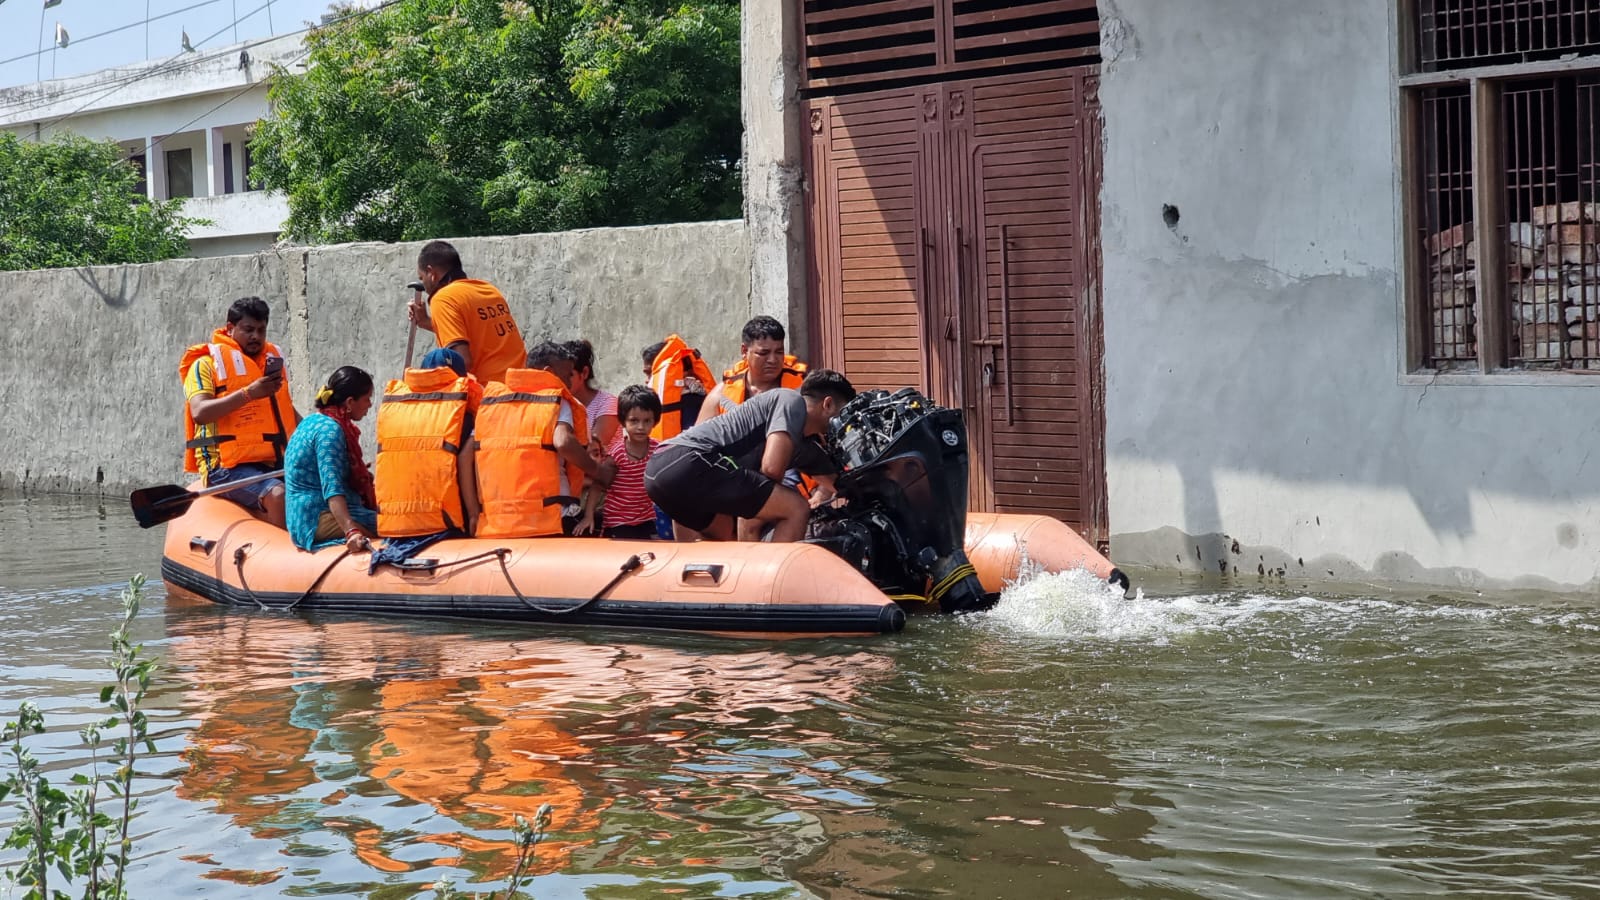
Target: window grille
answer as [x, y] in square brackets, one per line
[1453, 34]
[1550, 231]
[1447, 235]
[1502, 171]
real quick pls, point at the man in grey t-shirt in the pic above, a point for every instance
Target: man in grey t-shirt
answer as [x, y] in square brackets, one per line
[731, 467]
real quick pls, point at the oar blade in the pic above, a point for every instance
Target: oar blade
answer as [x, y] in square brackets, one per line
[162, 503]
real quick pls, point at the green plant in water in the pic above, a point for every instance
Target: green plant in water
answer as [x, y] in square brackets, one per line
[67, 832]
[527, 836]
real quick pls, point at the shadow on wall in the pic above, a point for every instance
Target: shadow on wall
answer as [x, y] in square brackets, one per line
[1231, 366]
[98, 280]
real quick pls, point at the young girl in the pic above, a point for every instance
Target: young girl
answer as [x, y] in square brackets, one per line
[629, 514]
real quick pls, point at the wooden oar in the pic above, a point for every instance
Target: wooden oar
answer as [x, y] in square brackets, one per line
[411, 339]
[165, 502]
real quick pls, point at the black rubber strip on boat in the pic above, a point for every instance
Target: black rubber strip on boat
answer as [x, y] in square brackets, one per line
[791, 618]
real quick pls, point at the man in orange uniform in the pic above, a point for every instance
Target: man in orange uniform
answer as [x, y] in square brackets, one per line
[762, 366]
[467, 315]
[237, 414]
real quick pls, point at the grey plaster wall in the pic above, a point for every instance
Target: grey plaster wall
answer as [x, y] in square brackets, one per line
[88, 364]
[1257, 419]
[773, 172]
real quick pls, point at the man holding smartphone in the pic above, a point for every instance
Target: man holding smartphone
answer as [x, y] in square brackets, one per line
[237, 414]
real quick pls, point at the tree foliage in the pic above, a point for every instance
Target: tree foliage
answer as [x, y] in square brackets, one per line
[465, 117]
[74, 202]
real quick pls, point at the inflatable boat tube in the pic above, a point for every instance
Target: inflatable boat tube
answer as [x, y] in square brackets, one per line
[1004, 547]
[218, 552]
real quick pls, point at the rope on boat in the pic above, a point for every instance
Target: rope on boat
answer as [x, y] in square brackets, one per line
[238, 563]
[629, 566]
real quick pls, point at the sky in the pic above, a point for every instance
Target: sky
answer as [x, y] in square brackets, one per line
[211, 24]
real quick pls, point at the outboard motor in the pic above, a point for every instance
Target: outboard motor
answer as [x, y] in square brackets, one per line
[902, 464]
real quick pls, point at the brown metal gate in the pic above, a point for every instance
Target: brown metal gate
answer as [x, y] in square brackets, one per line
[955, 246]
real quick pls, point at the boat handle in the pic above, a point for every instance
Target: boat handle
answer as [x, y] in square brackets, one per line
[204, 546]
[712, 571]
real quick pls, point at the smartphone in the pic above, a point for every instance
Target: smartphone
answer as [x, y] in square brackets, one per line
[273, 367]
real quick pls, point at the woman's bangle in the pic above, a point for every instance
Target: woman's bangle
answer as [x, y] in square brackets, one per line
[354, 529]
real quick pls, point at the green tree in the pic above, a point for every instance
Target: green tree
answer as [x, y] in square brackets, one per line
[74, 202]
[437, 118]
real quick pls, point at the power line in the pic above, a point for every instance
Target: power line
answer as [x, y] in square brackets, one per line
[232, 97]
[182, 61]
[147, 20]
[179, 62]
[304, 51]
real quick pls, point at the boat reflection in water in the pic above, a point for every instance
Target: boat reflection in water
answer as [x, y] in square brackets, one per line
[412, 748]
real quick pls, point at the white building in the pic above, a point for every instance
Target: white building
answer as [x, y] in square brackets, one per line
[186, 121]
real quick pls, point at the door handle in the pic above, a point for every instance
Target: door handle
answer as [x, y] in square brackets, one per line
[988, 374]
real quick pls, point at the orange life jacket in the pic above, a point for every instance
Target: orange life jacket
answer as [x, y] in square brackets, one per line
[256, 432]
[519, 471]
[420, 429]
[736, 382]
[736, 390]
[676, 362]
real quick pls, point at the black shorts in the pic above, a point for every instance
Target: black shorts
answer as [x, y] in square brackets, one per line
[644, 531]
[694, 487]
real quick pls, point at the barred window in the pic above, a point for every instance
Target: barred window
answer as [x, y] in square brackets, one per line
[1500, 101]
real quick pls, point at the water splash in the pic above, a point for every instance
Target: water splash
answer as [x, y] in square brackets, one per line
[1078, 603]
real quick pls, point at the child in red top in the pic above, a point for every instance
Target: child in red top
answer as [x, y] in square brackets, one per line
[628, 513]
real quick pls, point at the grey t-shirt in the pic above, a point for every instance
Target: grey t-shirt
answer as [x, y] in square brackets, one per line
[742, 433]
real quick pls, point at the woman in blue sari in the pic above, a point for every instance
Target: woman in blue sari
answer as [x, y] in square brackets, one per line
[328, 486]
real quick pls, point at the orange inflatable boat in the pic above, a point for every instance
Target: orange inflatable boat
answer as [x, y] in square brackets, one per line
[902, 540]
[219, 552]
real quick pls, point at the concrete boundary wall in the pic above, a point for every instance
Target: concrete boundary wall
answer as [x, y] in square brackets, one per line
[88, 361]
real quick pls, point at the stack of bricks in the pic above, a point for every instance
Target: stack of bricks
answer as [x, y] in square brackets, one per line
[1453, 292]
[1555, 296]
[1553, 287]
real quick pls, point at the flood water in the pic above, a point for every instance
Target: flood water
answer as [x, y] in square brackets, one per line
[1234, 740]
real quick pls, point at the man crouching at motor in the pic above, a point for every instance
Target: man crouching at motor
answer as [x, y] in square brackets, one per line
[731, 467]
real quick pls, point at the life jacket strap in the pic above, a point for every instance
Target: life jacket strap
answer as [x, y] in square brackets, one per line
[429, 396]
[521, 397]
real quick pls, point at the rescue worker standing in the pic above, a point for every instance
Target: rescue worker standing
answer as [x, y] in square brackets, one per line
[426, 483]
[467, 315]
[238, 418]
[762, 366]
[531, 446]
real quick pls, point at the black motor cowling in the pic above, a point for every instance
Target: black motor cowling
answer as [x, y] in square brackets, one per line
[902, 462]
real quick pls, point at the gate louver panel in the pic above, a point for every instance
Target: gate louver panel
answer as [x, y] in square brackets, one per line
[878, 42]
[851, 41]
